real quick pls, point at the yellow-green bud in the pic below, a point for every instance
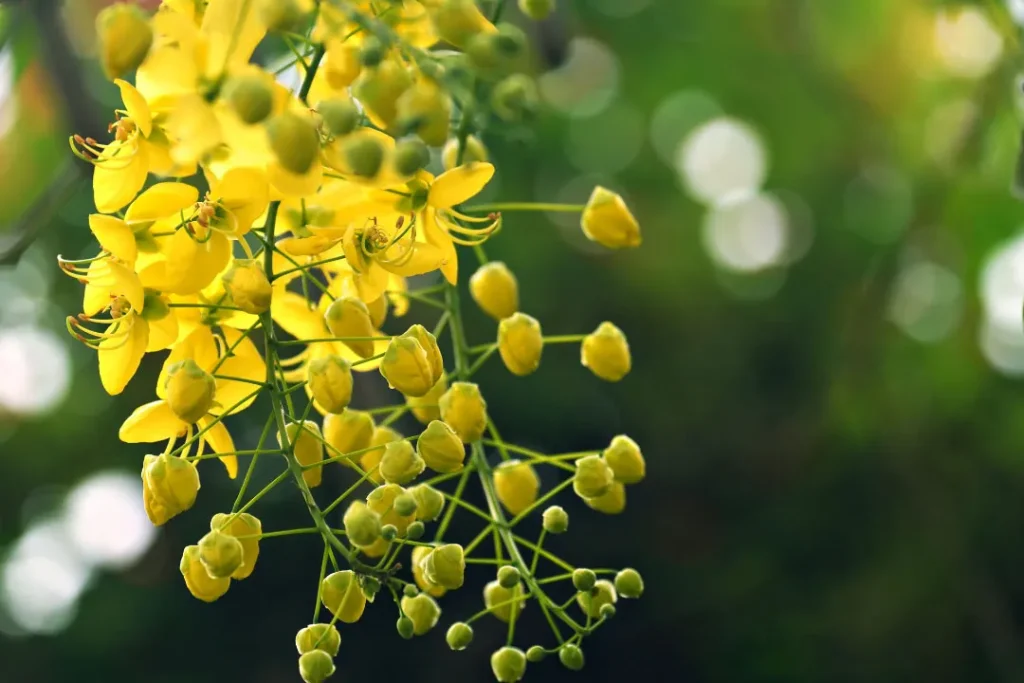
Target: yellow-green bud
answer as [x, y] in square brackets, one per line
[425, 109]
[169, 486]
[379, 88]
[603, 593]
[410, 156]
[445, 566]
[125, 36]
[221, 554]
[423, 611]
[307, 447]
[389, 532]
[459, 636]
[280, 15]
[536, 654]
[496, 54]
[429, 501]
[362, 525]
[571, 656]
[197, 580]
[251, 95]
[425, 408]
[410, 590]
[607, 611]
[406, 367]
[629, 583]
[429, 343]
[405, 627]
[608, 221]
[247, 285]
[405, 504]
[456, 21]
[611, 503]
[415, 531]
[400, 464]
[555, 520]
[341, 116]
[294, 140]
[440, 448]
[330, 381]
[495, 290]
[593, 477]
[464, 410]
[520, 343]
[537, 10]
[371, 52]
[190, 390]
[475, 151]
[504, 603]
[516, 484]
[508, 664]
[624, 457]
[348, 432]
[508, 576]
[370, 461]
[342, 595]
[316, 666]
[318, 637]
[515, 98]
[247, 529]
[347, 317]
[371, 586]
[364, 156]
[382, 501]
[605, 352]
[584, 579]
[419, 554]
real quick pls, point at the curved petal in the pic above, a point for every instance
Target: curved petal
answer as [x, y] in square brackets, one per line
[437, 236]
[371, 283]
[160, 201]
[288, 184]
[119, 357]
[115, 236]
[233, 29]
[115, 182]
[292, 312]
[96, 295]
[192, 265]
[199, 346]
[150, 423]
[459, 184]
[135, 105]
[126, 283]
[243, 192]
[220, 441]
[425, 258]
[162, 333]
[246, 363]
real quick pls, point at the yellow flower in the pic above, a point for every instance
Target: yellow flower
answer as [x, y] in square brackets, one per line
[419, 554]
[423, 611]
[516, 484]
[370, 461]
[425, 408]
[199, 583]
[441, 448]
[456, 21]
[520, 343]
[247, 286]
[169, 486]
[124, 37]
[425, 109]
[607, 220]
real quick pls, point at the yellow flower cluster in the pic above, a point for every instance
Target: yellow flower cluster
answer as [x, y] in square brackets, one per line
[259, 236]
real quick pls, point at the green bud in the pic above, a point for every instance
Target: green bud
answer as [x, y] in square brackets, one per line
[190, 390]
[429, 502]
[583, 579]
[370, 586]
[593, 477]
[446, 566]
[571, 656]
[504, 603]
[459, 636]
[537, 10]
[423, 611]
[124, 37]
[341, 116]
[400, 464]
[318, 637]
[415, 531]
[555, 520]
[441, 448]
[364, 156]
[536, 654]
[607, 611]
[316, 666]
[372, 52]
[508, 576]
[388, 532]
[629, 583]
[591, 602]
[362, 525]
[410, 156]
[508, 664]
[251, 95]
[405, 504]
[515, 98]
[405, 627]
[220, 554]
[410, 590]
[294, 140]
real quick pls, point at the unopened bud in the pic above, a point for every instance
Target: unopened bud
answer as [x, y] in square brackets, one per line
[169, 486]
[423, 611]
[220, 553]
[612, 502]
[247, 285]
[405, 504]
[415, 531]
[364, 155]
[508, 664]
[280, 15]
[591, 601]
[520, 343]
[571, 656]
[504, 603]
[495, 290]
[425, 408]
[629, 583]
[318, 637]
[125, 36]
[406, 367]
[405, 627]
[474, 151]
[316, 666]
[419, 554]
[341, 116]
[627, 462]
[516, 484]
[457, 21]
[190, 390]
[370, 461]
[382, 501]
[608, 221]
[307, 447]
[330, 382]
[536, 654]
[247, 529]
[371, 52]
[348, 318]
[294, 140]
[341, 595]
[400, 464]
[348, 432]
[425, 109]
[446, 566]
[362, 525]
[429, 501]
[389, 532]
[441, 448]
[464, 410]
[341, 65]
[605, 352]
[379, 88]
[508, 576]
[410, 156]
[537, 10]
[607, 611]
[515, 98]
[251, 95]
[593, 477]
[555, 520]
[199, 583]
[584, 579]
[459, 636]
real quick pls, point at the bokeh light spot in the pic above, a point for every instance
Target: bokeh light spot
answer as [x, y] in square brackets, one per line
[675, 117]
[747, 234]
[967, 43]
[586, 83]
[36, 369]
[927, 301]
[106, 520]
[722, 159]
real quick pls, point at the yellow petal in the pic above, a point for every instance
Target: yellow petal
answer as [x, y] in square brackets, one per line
[243, 192]
[234, 29]
[150, 423]
[439, 237]
[292, 312]
[288, 184]
[119, 357]
[194, 129]
[399, 303]
[220, 441]
[425, 258]
[116, 181]
[245, 362]
[160, 201]
[127, 284]
[167, 73]
[459, 184]
[192, 265]
[115, 236]
[162, 333]
[199, 346]
[96, 295]
[135, 104]
[371, 284]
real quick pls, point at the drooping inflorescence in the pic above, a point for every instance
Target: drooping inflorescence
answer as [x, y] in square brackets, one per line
[263, 235]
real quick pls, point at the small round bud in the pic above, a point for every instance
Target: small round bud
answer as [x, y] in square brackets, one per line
[405, 504]
[520, 343]
[611, 503]
[629, 583]
[607, 611]
[199, 583]
[441, 448]
[515, 98]
[424, 408]
[571, 656]
[591, 602]
[348, 318]
[419, 554]
[124, 37]
[516, 484]
[341, 594]
[318, 637]
[190, 390]
[504, 603]
[348, 432]
[415, 531]
[251, 95]
[307, 446]
[371, 53]
[382, 501]
[555, 520]
[464, 410]
[329, 379]
[538, 10]
[627, 462]
[294, 140]
[459, 636]
[410, 590]
[608, 221]
[406, 367]
[429, 501]
[535, 654]
[593, 477]
[362, 525]
[405, 627]
[378, 90]
[364, 156]
[423, 611]
[341, 116]
[508, 576]
[474, 151]
[280, 15]
[410, 156]
[508, 664]
[495, 290]
[247, 285]
[425, 109]
[388, 532]
[445, 566]
[493, 55]
[316, 666]
[220, 553]
[169, 486]
[605, 352]
[400, 464]
[370, 586]
[583, 579]
[247, 529]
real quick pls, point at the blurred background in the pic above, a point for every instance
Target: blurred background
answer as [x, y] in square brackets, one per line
[826, 324]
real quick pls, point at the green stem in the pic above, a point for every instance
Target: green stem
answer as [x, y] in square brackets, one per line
[524, 206]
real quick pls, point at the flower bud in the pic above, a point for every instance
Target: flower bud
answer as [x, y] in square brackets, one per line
[515, 98]
[197, 580]
[464, 410]
[294, 140]
[247, 529]
[341, 116]
[370, 461]
[555, 520]
[571, 656]
[405, 627]
[537, 10]
[520, 343]
[221, 554]
[423, 611]
[611, 503]
[316, 666]
[504, 603]
[536, 654]
[445, 566]
[584, 579]
[389, 532]
[425, 408]
[475, 151]
[280, 15]
[456, 21]
[318, 637]
[624, 457]
[607, 611]
[364, 155]
[341, 595]
[125, 36]
[307, 447]
[347, 317]
[496, 54]
[508, 664]
[603, 593]
[371, 52]
[330, 382]
[251, 95]
[370, 586]
[415, 531]
[248, 287]
[508, 576]
[190, 390]
[605, 352]
[410, 589]
[459, 636]
[378, 89]
[362, 525]
[629, 583]
[169, 486]
[608, 221]
[440, 448]
[405, 504]
[348, 432]
[382, 501]
[593, 477]
[425, 109]
[429, 501]
[419, 554]
[495, 290]
[406, 367]
[517, 484]
[410, 156]
[341, 65]
[378, 309]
